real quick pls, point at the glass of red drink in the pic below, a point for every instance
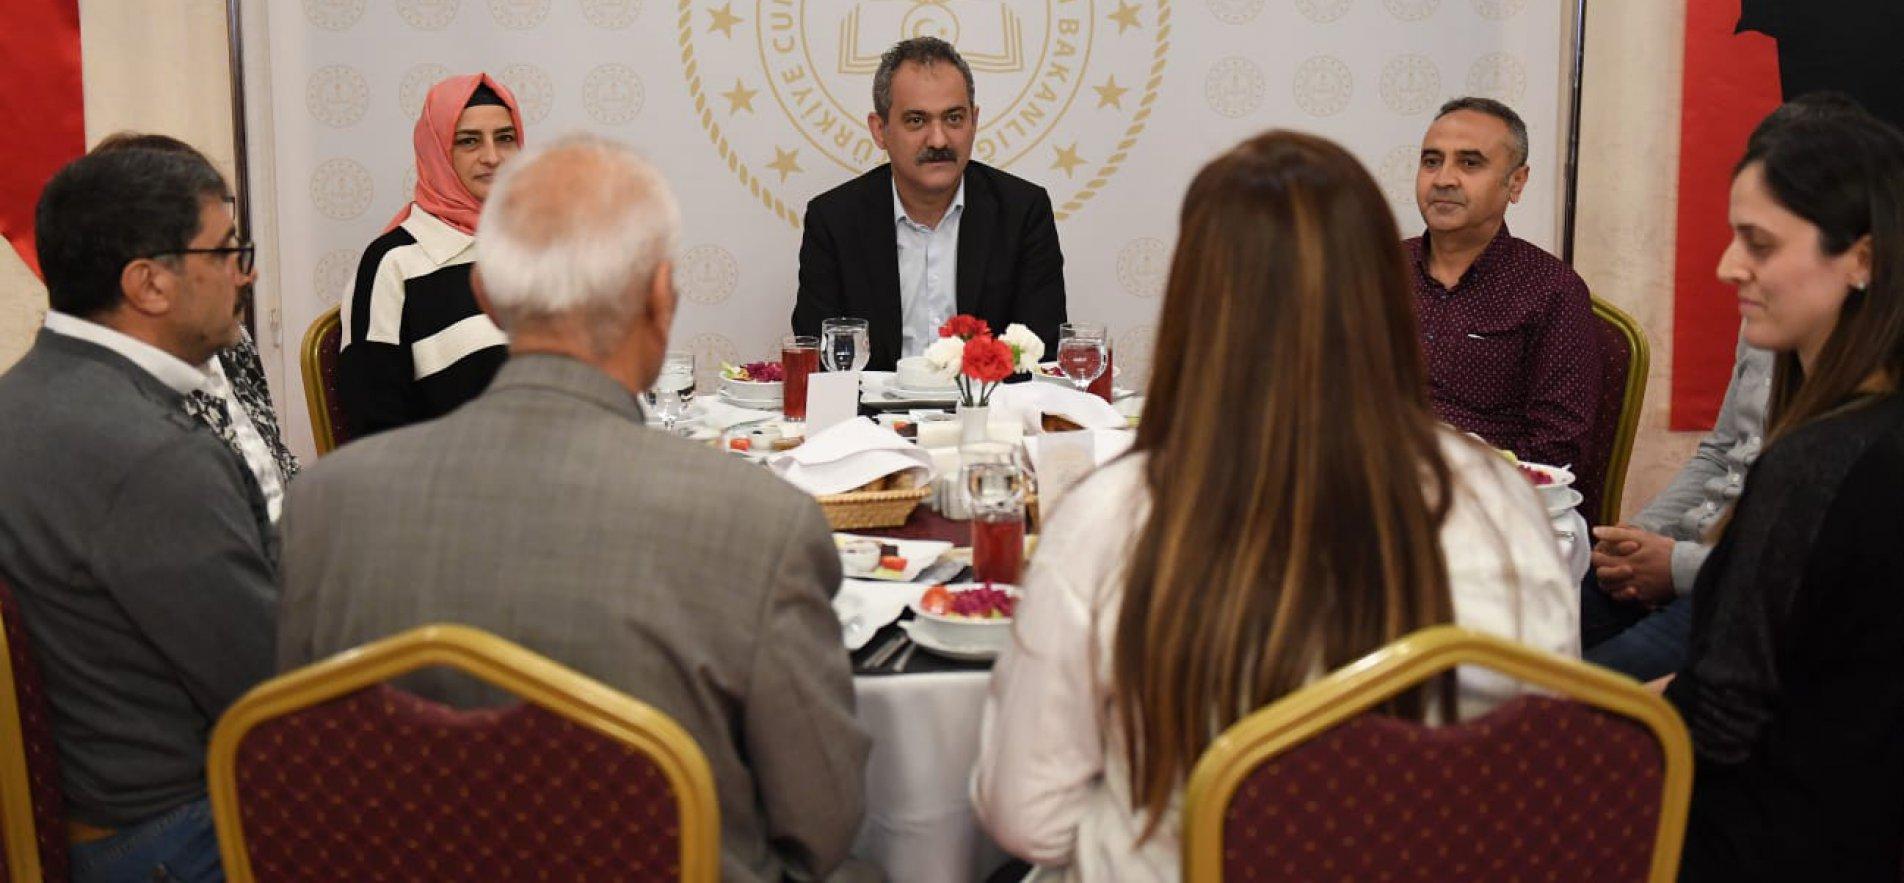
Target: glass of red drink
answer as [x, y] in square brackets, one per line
[799, 357]
[1101, 387]
[998, 545]
[996, 483]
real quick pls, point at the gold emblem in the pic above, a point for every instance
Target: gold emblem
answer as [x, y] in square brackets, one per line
[428, 15]
[612, 94]
[1234, 87]
[1397, 176]
[1235, 12]
[1324, 86]
[1498, 75]
[333, 275]
[707, 274]
[415, 87]
[1411, 10]
[533, 88]
[334, 15]
[783, 87]
[519, 15]
[1322, 11]
[341, 189]
[336, 95]
[611, 15]
[1142, 265]
[1498, 9]
[1410, 84]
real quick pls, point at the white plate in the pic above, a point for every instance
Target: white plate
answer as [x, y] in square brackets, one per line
[751, 404]
[919, 555]
[949, 651]
[1565, 503]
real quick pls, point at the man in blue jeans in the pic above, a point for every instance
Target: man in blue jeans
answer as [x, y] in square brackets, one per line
[1635, 608]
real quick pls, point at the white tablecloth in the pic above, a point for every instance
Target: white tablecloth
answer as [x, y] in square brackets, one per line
[919, 823]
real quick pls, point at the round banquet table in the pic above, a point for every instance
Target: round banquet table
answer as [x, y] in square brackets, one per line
[924, 725]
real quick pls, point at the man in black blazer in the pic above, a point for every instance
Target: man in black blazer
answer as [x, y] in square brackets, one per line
[930, 234]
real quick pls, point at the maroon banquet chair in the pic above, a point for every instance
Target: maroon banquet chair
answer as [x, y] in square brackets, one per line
[330, 426]
[1624, 359]
[331, 773]
[32, 811]
[1588, 782]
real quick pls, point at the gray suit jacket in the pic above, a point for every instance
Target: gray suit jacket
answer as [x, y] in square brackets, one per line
[139, 551]
[546, 512]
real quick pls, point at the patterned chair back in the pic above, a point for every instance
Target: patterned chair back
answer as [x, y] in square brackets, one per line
[330, 426]
[330, 773]
[1624, 357]
[1591, 784]
[32, 811]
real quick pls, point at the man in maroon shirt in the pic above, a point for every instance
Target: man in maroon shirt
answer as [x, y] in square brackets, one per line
[1507, 328]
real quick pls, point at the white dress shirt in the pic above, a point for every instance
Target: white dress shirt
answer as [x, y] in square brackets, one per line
[928, 273]
[1052, 784]
[185, 379]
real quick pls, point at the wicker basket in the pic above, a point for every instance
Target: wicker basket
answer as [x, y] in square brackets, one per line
[864, 509]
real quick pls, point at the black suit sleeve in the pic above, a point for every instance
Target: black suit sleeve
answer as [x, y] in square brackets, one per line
[1039, 304]
[821, 295]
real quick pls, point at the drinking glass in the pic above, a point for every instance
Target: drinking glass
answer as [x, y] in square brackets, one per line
[996, 483]
[673, 387]
[799, 357]
[1083, 348]
[845, 344]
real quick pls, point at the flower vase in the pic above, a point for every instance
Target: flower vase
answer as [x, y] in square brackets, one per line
[972, 423]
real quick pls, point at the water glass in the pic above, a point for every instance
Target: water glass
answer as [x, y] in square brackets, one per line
[672, 388]
[1083, 350]
[799, 357]
[845, 344]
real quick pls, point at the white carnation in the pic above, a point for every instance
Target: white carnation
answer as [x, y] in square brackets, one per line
[946, 355]
[1029, 348]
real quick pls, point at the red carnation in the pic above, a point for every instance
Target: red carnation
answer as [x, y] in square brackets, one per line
[987, 359]
[964, 326]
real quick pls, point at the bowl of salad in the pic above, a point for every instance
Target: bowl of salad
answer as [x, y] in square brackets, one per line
[754, 385]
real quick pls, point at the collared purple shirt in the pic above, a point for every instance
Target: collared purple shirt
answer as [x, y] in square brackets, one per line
[1512, 354]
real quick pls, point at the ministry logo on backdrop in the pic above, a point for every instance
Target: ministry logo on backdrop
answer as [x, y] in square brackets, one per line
[782, 87]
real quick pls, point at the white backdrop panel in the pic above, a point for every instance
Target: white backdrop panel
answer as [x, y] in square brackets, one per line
[752, 107]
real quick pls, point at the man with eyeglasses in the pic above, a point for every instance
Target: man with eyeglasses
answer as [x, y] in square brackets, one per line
[138, 547]
[236, 399]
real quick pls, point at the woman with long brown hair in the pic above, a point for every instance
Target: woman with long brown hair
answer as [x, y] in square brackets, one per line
[1793, 688]
[1290, 505]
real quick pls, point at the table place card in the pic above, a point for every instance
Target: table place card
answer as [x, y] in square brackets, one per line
[1061, 459]
[832, 397]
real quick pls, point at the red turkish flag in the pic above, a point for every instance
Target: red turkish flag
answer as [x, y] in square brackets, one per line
[42, 100]
[1731, 82]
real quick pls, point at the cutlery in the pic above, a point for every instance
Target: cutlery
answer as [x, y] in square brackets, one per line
[900, 666]
[940, 571]
[886, 651]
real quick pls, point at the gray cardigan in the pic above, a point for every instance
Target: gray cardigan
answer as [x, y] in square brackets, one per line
[140, 556]
[1709, 483]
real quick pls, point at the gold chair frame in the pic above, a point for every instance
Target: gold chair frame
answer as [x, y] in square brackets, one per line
[316, 398]
[16, 790]
[1362, 684]
[530, 677]
[1639, 360]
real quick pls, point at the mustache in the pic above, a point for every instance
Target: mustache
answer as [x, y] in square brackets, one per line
[937, 154]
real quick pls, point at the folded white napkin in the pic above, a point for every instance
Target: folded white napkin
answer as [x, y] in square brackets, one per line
[718, 415]
[1028, 401]
[847, 455]
[865, 606]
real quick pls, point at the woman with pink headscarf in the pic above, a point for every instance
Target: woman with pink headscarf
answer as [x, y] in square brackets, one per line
[415, 344]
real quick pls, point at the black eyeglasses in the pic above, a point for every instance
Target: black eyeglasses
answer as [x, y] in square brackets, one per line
[247, 253]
